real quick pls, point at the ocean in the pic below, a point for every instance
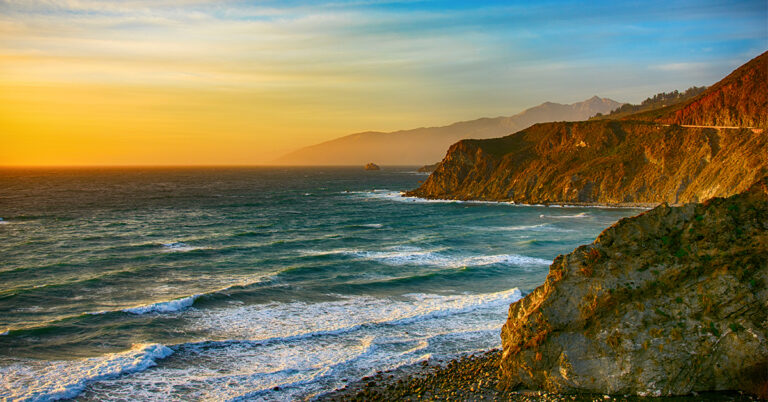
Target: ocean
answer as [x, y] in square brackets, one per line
[253, 283]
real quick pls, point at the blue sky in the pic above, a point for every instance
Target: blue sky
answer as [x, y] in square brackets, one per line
[300, 72]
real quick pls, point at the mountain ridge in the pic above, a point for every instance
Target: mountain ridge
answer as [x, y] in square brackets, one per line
[427, 144]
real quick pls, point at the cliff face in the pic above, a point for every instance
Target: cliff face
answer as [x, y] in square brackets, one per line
[668, 302]
[740, 100]
[609, 162]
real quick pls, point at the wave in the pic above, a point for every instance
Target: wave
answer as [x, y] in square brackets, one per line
[165, 306]
[48, 381]
[160, 307]
[179, 247]
[406, 255]
[579, 215]
[399, 196]
[281, 345]
[288, 322]
[542, 227]
[367, 225]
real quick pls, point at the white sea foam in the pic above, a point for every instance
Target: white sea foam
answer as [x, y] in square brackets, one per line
[372, 225]
[36, 380]
[303, 348]
[542, 227]
[182, 303]
[164, 306]
[280, 322]
[579, 215]
[408, 255]
[399, 196]
[179, 247]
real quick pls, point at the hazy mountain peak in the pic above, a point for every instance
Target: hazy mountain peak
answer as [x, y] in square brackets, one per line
[424, 145]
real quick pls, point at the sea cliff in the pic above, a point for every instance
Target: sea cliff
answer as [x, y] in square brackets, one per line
[713, 145]
[601, 162]
[669, 302]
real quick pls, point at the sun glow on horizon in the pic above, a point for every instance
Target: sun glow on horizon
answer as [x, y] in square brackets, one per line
[195, 82]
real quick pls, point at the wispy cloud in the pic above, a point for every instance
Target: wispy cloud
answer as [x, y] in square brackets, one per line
[354, 65]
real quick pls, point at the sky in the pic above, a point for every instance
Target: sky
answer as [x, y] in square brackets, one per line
[199, 82]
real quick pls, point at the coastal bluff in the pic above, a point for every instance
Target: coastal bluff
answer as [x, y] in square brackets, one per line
[713, 145]
[669, 302]
[601, 162]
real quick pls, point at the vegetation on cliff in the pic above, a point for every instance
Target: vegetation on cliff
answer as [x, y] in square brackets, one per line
[659, 101]
[739, 100]
[664, 303]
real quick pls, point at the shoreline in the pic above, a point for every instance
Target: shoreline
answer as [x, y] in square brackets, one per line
[554, 204]
[473, 377]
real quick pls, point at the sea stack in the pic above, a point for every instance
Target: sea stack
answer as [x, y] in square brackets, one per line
[372, 166]
[669, 302]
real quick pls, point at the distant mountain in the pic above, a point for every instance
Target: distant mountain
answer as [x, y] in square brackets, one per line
[427, 144]
[740, 99]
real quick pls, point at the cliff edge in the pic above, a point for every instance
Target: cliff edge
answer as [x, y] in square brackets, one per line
[671, 301]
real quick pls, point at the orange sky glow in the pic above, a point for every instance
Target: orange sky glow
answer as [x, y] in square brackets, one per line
[197, 82]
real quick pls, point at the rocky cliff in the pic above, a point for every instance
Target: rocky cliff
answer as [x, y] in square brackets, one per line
[668, 302]
[740, 100]
[607, 162]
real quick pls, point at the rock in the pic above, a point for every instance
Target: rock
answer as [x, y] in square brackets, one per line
[624, 162]
[372, 166]
[429, 168]
[669, 302]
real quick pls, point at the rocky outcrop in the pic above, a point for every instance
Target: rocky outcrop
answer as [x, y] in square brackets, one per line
[428, 168]
[671, 301]
[604, 162]
[372, 166]
[739, 100]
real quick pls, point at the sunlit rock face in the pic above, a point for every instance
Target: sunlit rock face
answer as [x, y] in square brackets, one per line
[740, 100]
[665, 303]
[607, 162]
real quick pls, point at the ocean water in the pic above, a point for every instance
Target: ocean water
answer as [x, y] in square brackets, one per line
[253, 283]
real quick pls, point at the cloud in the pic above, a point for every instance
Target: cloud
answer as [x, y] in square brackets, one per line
[682, 66]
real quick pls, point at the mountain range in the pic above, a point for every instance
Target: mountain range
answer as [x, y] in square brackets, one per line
[428, 144]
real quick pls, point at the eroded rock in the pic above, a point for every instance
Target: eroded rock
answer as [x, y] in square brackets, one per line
[672, 301]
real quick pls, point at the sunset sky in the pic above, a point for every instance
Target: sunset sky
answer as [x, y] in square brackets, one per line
[195, 82]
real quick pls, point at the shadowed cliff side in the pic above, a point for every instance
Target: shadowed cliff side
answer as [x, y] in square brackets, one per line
[668, 302]
[605, 162]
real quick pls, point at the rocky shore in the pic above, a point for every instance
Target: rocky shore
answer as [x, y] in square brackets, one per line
[475, 377]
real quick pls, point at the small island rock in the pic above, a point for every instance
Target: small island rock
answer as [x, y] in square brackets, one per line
[372, 166]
